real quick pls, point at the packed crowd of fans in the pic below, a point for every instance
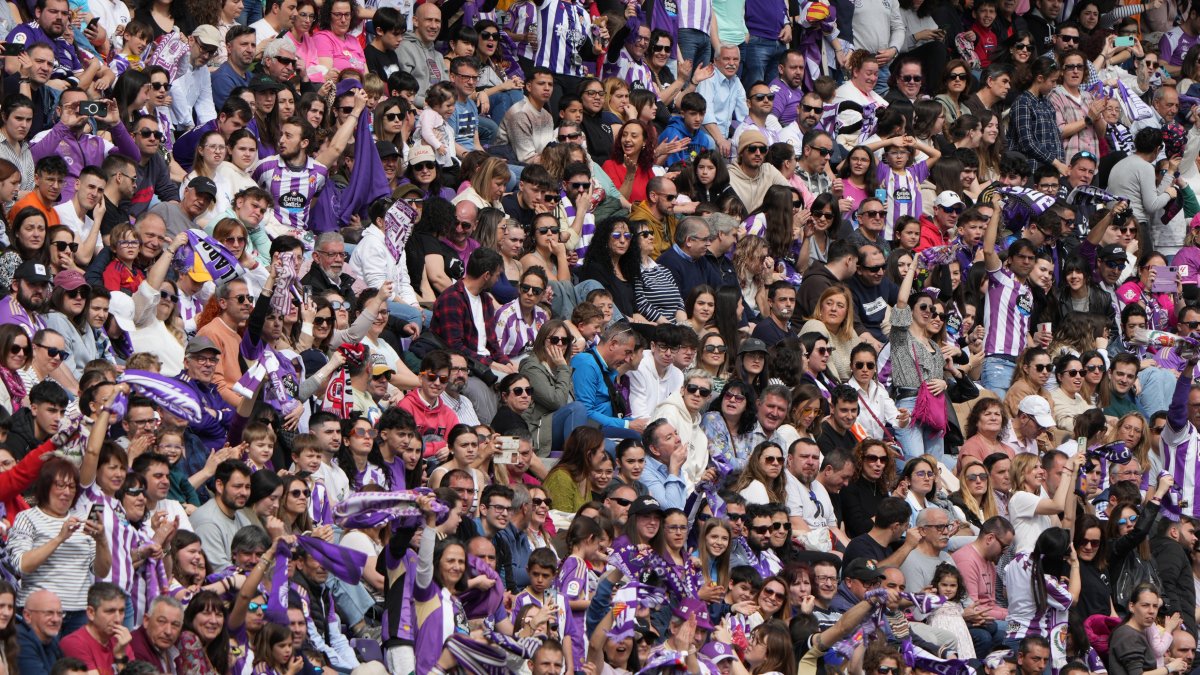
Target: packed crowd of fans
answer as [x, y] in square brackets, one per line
[732, 337]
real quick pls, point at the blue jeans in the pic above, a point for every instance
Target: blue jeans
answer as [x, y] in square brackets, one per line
[501, 102]
[881, 85]
[251, 12]
[352, 602]
[73, 621]
[696, 46]
[915, 440]
[997, 375]
[487, 130]
[987, 637]
[760, 59]
[1158, 386]
[565, 420]
[409, 314]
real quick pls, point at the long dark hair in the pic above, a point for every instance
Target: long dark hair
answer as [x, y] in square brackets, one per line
[1049, 556]
[41, 255]
[599, 251]
[8, 634]
[575, 460]
[695, 190]
[125, 91]
[728, 299]
[750, 415]
[217, 650]
[871, 182]
[345, 459]
[776, 208]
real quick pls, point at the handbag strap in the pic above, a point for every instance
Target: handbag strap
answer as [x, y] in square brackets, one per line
[886, 433]
[912, 343]
[614, 397]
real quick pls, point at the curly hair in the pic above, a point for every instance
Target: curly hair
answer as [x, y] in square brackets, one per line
[888, 477]
[325, 19]
[645, 158]
[981, 407]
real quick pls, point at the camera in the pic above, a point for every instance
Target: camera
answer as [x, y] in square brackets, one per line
[93, 108]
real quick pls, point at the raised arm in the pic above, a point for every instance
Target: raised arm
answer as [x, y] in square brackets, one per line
[337, 144]
[991, 260]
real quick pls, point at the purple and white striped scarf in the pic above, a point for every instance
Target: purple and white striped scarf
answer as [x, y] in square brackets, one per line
[285, 281]
[626, 602]
[217, 259]
[166, 392]
[367, 510]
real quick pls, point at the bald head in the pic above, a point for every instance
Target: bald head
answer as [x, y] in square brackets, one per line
[43, 613]
[427, 21]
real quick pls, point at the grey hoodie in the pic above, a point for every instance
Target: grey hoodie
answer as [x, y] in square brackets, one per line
[424, 62]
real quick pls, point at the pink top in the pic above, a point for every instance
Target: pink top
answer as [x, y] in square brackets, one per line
[346, 52]
[306, 56]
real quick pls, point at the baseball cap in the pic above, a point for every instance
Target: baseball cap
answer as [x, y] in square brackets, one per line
[34, 272]
[204, 185]
[69, 280]
[690, 607]
[380, 369]
[201, 343]
[405, 190]
[751, 345]
[386, 149]
[862, 570]
[264, 83]
[645, 504]
[421, 153]
[947, 199]
[1039, 409]
[207, 35]
[120, 307]
[198, 272]
[1111, 252]
[717, 652]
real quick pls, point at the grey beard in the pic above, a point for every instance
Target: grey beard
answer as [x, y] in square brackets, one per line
[455, 389]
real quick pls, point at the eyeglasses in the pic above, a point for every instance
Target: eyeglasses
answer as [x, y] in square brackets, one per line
[941, 527]
[697, 389]
[622, 235]
[362, 432]
[759, 98]
[869, 365]
[205, 360]
[715, 349]
[499, 508]
[340, 15]
[464, 76]
[538, 501]
[532, 290]
[872, 214]
[129, 242]
[61, 246]
[333, 255]
[434, 377]
[756, 149]
[874, 459]
[298, 493]
[824, 580]
[54, 352]
[593, 92]
[148, 133]
[912, 78]
[922, 474]
[735, 397]
[521, 391]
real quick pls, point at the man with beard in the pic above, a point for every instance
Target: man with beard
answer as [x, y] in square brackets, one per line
[216, 522]
[153, 174]
[52, 21]
[786, 87]
[156, 470]
[750, 176]
[33, 425]
[49, 174]
[293, 177]
[757, 553]
[71, 139]
[1171, 547]
[808, 115]
[30, 80]
[329, 258]
[235, 72]
[782, 296]
[759, 100]
[453, 395]
[223, 335]
[28, 293]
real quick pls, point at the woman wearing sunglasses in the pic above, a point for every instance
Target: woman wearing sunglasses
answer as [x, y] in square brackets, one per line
[1032, 373]
[613, 263]
[917, 358]
[763, 482]
[516, 397]
[773, 603]
[1030, 508]
[1066, 400]
[974, 496]
[655, 289]
[730, 417]
[293, 507]
[1128, 536]
[683, 410]
[553, 410]
[545, 248]
[877, 411]
[358, 457]
[1091, 545]
[714, 359]
[68, 316]
[16, 350]
[874, 476]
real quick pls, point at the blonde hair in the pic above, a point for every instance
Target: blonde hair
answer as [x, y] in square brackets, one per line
[611, 86]
[374, 85]
[985, 508]
[845, 329]
[258, 432]
[144, 361]
[1021, 464]
[491, 169]
[747, 250]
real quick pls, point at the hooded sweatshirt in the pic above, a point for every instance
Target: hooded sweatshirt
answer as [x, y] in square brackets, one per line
[752, 190]
[435, 420]
[423, 61]
[676, 129]
[695, 442]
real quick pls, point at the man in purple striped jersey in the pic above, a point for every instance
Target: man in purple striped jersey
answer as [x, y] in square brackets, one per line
[1008, 306]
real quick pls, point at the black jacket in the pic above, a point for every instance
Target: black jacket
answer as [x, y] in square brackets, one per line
[20, 433]
[1175, 570]
[1099, 303]
[319, 282]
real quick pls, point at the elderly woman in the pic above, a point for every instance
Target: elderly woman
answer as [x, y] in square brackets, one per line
[554, 412]
[683, 410]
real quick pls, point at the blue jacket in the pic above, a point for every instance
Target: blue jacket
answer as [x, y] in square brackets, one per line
[35, 656]
[676, 130]
[689, 273]
[591, 390]
[519, 550]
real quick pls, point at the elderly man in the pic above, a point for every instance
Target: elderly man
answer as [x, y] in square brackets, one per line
[191, 89]
[770, 416]
[37, 633]
[687, 258]
[665, 456]
[329, 257]
[279, 58]
[683, 409]
[594, 374]
[936, 529]
[726, 230]
[726, 99]
[658, 209]
[156, 640]
[466, 214]
[181, 216]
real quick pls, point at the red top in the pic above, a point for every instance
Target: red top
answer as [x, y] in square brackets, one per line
[84, 646]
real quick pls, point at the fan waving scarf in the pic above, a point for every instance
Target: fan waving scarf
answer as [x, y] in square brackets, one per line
[366, 510]
[217, 260]
[1022, 205]
[166, 392]
[334, 205]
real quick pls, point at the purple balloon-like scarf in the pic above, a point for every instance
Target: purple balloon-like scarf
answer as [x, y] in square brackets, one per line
[919, 659]
[335, 206]
[217, 259]
[166, 392]
[367, 510]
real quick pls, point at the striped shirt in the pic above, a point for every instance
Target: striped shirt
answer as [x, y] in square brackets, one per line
[1179, 450]
[294, 191]
[66, 573]
[512, 332]
[1006, 313]
[20, 155]
[637, 75]
[656, 293]
[695, 14]
[1023, 615]
[904, 192]
[522, 17]
[563, 29]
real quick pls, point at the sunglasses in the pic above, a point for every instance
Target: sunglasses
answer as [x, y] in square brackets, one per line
[147, 133]
[61, 246]
[167, 296]
[888, 670]
[773, 459]
[18, 349]
[234, 240]
[872, 214]
[1074, 372]
[257, 607]
[340, 306]
[1128, 521]
[533, 290]
[1022, 47]
[286, 60]
[874, 459]
[1069, 38]
[1040, 367]
[549, 230]
[78, 293]
[756, 149]
[135, 492]
[735, 397]
[912, 78]
[346, 109]
[771, 593]
[574, 135]
[715, 349]
[869, 365]
[243, 299]
[1090, 543]
[762, 97]
[824, 152]
[297, 492]
[363, 433]
[622, 235]
[521, 391]
[393, 117]
[538, 501]
[697, 389]
[159, 86]
[824, 351]
[54, 352]
[424, 166]
[322, 320]
[872, 269]
[956, 76]
[976, 476]
[661, 49]
[434, 377]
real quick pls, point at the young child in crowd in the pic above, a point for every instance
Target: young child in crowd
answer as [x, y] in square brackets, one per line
[120, 274]
[307, 457]
[948, 583]
[260, 446]
[542, 566]
[433, 124]
[588, 320]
